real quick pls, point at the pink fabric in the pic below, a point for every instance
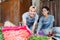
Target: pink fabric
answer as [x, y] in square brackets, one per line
[16, 33]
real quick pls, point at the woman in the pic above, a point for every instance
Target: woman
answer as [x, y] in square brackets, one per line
[46, 21]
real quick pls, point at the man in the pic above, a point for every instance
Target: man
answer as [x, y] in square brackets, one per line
[30, 18]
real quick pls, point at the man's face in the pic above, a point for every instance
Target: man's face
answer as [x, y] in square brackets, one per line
[32, 12]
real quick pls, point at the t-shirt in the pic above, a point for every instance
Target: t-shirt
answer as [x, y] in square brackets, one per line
[46, 23]
[29, 21]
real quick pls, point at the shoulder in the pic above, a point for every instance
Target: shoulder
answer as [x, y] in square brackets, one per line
[25, 14]
[51, 16]
[36, 15]
[41, 18]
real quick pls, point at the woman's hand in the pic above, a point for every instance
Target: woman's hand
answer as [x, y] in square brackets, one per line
[37, 34]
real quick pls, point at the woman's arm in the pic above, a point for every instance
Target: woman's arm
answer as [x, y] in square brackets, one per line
[39, 24]
[51, 22]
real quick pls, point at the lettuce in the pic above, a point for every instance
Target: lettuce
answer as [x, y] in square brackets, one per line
[1, 35]
[38, 38]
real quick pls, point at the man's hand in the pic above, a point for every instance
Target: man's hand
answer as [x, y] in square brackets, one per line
[32, 32]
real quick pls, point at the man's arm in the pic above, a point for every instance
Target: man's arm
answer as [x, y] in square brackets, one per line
[34, 25]
[24, 19]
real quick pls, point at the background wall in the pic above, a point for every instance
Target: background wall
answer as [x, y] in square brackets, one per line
[12, 10]
[54, 6]
[37, 4]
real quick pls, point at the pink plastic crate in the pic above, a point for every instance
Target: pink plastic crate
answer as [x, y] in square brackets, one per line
[16, 33]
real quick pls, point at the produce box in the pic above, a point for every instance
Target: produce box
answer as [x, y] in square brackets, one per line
[1, 35]
[16, 33]
[39, 38]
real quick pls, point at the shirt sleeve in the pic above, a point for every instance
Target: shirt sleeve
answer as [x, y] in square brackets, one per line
[36, 18]
[51, 22]
[40, 24]
[24, 17]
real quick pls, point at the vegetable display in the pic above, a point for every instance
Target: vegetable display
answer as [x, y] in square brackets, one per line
[38, 38]
[1, 35]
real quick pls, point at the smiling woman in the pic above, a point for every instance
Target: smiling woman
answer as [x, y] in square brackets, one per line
[45, 21]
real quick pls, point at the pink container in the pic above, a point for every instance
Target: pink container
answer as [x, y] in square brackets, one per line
[16, 33]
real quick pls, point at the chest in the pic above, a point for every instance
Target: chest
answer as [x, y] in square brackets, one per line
[46, 21]
[30, 19]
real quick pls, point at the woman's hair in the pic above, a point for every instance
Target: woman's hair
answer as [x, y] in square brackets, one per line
[46, 8]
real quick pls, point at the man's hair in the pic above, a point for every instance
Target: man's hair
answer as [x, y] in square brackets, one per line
[32, 7]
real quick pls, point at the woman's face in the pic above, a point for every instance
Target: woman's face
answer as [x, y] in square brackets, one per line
[45, 11]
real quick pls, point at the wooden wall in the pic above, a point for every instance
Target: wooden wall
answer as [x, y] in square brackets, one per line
[24, 7]
[59, 12]
[0, 12]
[10, 11]
[54, 6]
[13, 9]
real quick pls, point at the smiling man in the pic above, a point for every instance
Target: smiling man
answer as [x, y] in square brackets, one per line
[30, 18]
